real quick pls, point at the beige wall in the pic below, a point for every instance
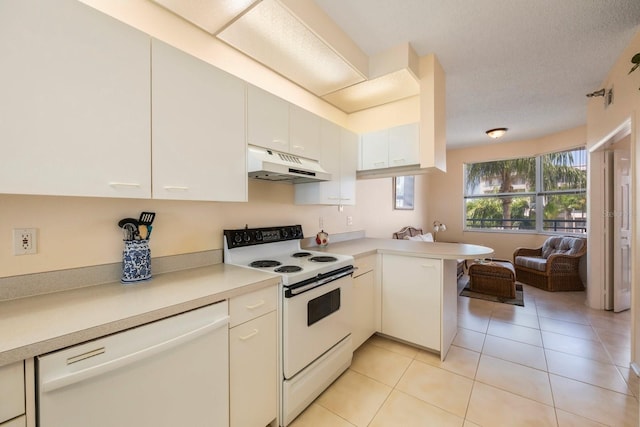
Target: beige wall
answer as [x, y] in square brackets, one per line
[82, 231]
[602, 126]
[446, 189]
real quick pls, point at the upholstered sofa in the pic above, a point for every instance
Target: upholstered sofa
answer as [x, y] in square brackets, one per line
[413, 233]
[554, 266]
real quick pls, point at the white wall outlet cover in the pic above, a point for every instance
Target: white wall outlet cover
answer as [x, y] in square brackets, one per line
[24, 241]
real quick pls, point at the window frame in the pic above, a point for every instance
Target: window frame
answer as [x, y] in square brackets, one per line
[538, 195]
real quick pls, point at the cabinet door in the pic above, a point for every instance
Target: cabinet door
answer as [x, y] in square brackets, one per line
[304, 133]
[16, 422]
[253, 372]
[411, 299]
[199, 146]
[404, 145]
[75, 102]
[328, 192]
[363, 309]
[348, 163]
[375, 150]
[11, 391]
[268, 120]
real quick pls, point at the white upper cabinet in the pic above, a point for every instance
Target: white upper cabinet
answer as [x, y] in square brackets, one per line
[388, 148]
[199, 144]
[268, 120]
[75, 110]
[404, 145]
[374, 149]
[304, 133]
[339, 156]
[348, 163]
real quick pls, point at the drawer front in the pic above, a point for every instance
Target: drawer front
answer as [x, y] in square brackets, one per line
[11, 391]
[252, 305]
[365, 264]
[16, 422]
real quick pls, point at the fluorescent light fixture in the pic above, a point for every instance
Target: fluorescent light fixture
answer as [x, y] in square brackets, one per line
[210, 15]
[496, 133]
[273, 36]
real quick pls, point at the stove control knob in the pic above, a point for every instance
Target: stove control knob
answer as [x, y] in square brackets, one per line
[237, 238]
[247, 237]
[285, 233]
[259, 236]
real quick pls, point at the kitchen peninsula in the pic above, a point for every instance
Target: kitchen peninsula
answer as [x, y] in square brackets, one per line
[411, 287]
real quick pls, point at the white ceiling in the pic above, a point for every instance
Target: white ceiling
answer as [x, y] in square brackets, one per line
[522, 64]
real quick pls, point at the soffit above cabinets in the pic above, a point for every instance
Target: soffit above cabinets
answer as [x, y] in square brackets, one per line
[296, 39]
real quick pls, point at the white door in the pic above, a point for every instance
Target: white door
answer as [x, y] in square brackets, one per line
[622, 232]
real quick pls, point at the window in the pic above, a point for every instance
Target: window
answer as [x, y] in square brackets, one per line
[546, 193]
[403, 190]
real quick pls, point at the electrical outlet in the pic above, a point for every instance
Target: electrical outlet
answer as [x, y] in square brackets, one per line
[349, 220]
[24, 241]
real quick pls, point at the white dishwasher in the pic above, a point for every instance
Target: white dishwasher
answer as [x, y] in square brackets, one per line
[171, 372]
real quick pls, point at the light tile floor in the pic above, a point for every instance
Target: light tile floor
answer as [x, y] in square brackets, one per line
[554, 362]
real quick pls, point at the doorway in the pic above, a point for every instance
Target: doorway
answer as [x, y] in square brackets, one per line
[618, 226]
[610, 243]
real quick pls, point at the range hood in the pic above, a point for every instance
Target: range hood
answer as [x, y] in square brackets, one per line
[272, 165]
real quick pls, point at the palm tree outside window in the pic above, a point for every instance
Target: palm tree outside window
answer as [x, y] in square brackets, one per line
[546, 193]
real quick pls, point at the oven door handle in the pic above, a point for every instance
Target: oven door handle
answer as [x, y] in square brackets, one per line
[305, 286]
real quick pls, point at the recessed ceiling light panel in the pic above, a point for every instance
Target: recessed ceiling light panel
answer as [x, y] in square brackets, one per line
[382, 90]
[210, 15]
[271, 35]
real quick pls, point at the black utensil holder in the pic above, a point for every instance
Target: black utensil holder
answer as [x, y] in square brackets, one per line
[136, 261]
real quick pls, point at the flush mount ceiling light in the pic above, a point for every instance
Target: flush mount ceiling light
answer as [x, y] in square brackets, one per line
[496, 133]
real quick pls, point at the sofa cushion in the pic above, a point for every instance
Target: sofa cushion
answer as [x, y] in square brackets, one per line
[533, 262]
[561, 245]
[428, 237]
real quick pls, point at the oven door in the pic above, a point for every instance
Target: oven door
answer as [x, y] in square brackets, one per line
[315, 320]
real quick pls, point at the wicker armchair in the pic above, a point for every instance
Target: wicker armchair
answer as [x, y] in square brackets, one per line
[554, 266]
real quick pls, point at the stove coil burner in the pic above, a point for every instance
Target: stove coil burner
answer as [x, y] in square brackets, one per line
[288, 269]
[264, 263]
[323, 258]
[301, 254]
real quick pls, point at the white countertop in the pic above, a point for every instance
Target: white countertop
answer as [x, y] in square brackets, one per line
[40, 324]
[439, 250]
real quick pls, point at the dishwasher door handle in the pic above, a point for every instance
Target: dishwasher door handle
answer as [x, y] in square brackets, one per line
[93, 371]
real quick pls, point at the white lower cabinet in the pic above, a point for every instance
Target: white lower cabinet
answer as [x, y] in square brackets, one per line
[12, 396]
[364, 316]
[253, 361]
[16, 422]
[411, 299]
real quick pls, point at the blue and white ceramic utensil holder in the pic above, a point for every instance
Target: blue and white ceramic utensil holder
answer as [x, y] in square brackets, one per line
[136, 261]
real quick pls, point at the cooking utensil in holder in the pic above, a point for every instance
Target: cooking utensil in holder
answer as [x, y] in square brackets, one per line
[136, 261]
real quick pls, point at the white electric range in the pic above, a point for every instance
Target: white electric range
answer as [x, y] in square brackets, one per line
[315, 307]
